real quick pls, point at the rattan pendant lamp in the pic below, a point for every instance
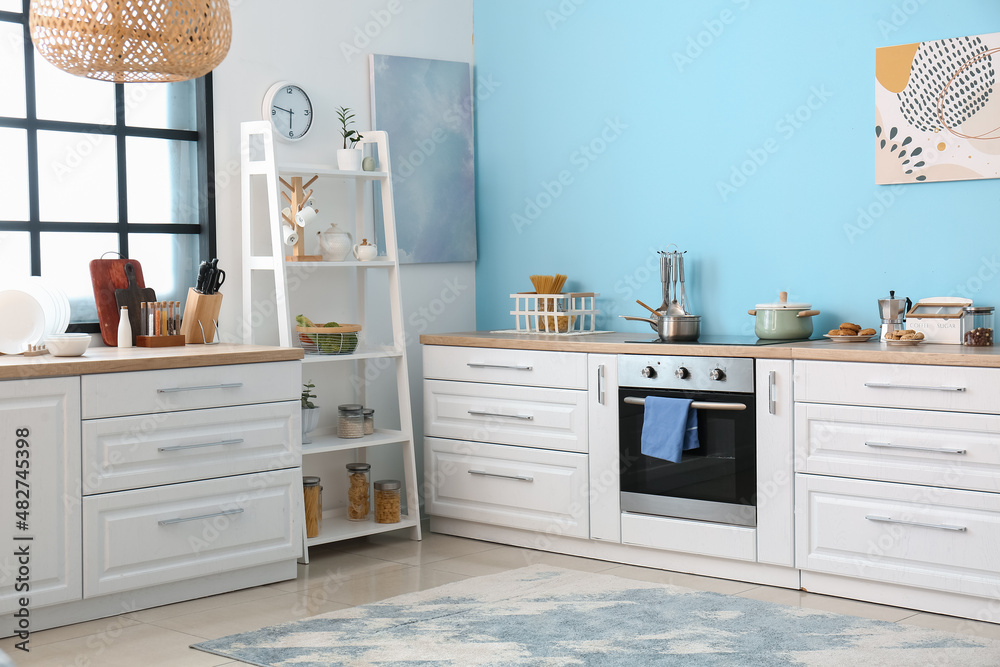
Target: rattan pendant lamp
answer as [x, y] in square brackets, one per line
[128, 41]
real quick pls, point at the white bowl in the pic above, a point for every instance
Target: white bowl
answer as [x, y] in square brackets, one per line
[68, 345]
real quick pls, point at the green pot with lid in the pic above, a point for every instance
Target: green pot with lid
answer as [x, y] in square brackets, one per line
[783, 320]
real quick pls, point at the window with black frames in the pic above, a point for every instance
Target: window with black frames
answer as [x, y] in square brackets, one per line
[91, 169]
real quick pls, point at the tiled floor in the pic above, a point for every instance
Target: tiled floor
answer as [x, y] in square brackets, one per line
[361, 571]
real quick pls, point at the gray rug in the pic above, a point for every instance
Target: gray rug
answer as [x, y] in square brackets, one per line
[542, 615]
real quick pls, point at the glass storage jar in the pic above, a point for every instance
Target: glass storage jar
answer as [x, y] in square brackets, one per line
[312, 494]
[977, 326]
[387, 501]
[369, 414]
[350, 421]
[358, 491]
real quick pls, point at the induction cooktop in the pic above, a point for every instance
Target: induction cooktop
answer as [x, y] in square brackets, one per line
[721, 340]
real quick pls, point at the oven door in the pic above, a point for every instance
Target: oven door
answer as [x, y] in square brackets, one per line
[714, 482]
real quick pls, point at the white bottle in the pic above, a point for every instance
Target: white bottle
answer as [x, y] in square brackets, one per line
[124, 328]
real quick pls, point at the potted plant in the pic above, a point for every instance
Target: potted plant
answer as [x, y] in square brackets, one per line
[348, 157]
[310, 412]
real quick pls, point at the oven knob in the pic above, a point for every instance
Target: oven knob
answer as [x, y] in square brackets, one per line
[648, 372]
[717, 374]
[681, 373]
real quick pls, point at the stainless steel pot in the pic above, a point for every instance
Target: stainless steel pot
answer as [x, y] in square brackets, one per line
[673, 329]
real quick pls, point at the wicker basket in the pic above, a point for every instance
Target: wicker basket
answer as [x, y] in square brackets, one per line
[329, 340]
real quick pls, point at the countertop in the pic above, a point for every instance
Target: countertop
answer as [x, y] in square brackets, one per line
[823, 350]
[115, 359]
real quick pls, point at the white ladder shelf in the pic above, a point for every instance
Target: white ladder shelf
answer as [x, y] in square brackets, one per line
[257, 137]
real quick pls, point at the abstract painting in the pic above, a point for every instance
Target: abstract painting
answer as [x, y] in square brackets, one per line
[937, 116]
[425, 108]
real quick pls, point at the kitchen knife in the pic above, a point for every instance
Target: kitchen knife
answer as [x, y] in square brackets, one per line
[202, 276]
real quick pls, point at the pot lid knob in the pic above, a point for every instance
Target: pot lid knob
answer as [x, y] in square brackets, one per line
[783, 297]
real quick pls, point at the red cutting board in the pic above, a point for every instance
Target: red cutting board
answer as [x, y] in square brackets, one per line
[107, 275]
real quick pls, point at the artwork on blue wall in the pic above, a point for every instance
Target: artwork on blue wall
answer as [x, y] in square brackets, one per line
[937, 116]
[425, 107]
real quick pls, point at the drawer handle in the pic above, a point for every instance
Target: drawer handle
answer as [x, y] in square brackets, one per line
[167, 522]
[697, 405]
[600, 384]
[520, 478]
[889, 385]
[220, 443]
[483, 413]
[889, 445]
[173, 390]
[942, 526]
[480, 364]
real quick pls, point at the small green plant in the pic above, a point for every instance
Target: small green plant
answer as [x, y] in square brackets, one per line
[345, 116]
[307, 394]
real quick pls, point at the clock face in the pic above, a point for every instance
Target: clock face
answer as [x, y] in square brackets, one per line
[289, 109]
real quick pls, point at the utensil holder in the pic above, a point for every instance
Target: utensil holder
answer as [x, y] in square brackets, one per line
[201, 312]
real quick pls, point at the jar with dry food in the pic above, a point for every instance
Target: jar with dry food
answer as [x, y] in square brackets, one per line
[350, 420]
[387, 501]
[358, 491]
[369, 414]
[312, 494]
[977, 326]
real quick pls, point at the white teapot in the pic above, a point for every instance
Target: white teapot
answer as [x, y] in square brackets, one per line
[335, 243]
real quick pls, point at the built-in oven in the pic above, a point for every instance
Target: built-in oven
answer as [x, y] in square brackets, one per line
[715, 481]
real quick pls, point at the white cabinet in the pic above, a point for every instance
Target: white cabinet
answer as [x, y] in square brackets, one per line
[504, 453]
[605, 461]
[775, 468]
[39, 485]
[532, 489]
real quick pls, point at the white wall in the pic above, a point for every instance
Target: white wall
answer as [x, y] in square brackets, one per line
[323, 45]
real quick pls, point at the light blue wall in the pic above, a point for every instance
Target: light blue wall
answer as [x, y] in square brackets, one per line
[668, 133]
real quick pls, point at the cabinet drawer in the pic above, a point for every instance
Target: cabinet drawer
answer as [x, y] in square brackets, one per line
[933, 448]
[141, 392]
[533, 489]
[132, 452]
[134, 539]
[697, 537]
[567, 370]
[903, 534]
[531, 416]
[956, 389]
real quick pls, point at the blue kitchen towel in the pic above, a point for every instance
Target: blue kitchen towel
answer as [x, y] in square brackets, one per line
[669, 426]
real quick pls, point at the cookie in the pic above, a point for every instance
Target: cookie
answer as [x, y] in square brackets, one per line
[833, 332]
[851, 326]
[866, 332]
[848, 332]
[911, 336]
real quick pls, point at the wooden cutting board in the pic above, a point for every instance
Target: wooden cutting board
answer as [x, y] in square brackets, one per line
[108, 275]
[132, 295]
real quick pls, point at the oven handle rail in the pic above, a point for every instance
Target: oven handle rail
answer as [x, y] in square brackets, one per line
[697, 405]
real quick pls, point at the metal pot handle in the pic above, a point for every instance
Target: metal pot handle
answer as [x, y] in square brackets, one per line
[640, 319]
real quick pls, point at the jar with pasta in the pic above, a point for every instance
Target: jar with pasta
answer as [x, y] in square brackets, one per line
[387, 501]
[358, 491]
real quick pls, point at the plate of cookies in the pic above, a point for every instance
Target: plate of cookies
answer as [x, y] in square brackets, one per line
[904, 337]
[849, 332]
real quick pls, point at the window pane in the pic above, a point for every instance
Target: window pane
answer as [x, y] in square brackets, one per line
[77, 177]
[167, 105]
[66, 262]
[12, 69]
[162, 180]
[10, 6]
[13, 174]
[169, 263]
[15, 257]
[63, 96]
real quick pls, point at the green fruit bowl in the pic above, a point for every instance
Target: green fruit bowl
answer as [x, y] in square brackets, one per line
[329, 340]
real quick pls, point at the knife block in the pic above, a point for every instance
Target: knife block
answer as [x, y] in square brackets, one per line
[201, 312]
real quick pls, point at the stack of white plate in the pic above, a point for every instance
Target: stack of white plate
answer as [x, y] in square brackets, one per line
[22, 321]
[53, 301]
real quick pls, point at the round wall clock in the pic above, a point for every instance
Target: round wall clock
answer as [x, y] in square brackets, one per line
[289, 109]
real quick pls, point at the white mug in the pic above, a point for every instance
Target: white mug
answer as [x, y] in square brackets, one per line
[363, 253]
